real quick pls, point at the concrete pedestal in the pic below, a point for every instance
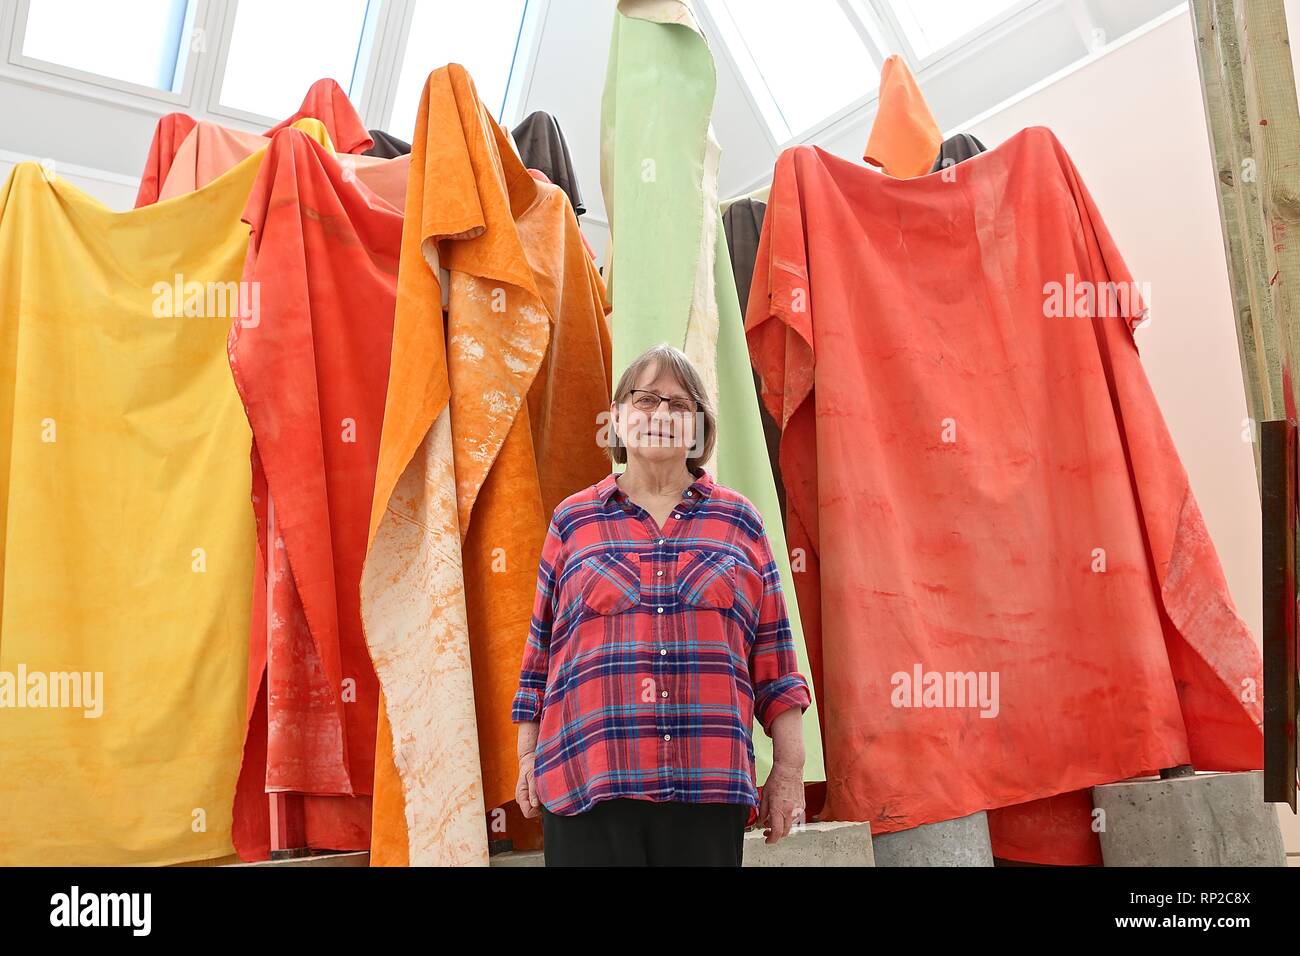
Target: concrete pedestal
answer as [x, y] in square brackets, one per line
[1210, 819]
[960, 842]
[815, 844]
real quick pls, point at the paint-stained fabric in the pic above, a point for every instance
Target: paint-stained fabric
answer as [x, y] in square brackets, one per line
[986, 490]
[312, 369]
[128, 534]
[904, 139]
[490, 420]
[670, 276]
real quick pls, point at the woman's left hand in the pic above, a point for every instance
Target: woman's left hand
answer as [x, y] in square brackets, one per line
[782, 803]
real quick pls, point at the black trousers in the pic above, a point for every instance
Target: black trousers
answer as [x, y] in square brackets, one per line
[628, 832]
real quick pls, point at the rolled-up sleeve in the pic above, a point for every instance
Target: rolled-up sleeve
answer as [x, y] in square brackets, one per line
[527, 705]
[773, 664]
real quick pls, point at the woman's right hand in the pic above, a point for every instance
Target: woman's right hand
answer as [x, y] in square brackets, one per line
[526, 789]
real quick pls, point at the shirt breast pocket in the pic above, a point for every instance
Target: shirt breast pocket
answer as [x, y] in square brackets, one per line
[610, 583]
[706, 579]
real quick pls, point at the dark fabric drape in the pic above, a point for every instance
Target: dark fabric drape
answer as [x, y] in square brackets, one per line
[743, 224]
[957, 149]
[387, 146]
[542, 147]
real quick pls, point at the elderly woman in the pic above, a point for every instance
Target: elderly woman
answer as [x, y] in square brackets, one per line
[659, 632]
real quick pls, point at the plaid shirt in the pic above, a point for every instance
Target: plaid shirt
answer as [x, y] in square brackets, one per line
[651, 651]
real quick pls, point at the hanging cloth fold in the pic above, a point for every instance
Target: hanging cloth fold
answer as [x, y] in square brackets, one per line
[326, 101]
[387, 146]
[542, 147]
[128, 534]
[670, 276]
[463, 487]
[312, 371]
[957, 149]
[904, 137]
[208, 151]
[167, 138]
[996, 496]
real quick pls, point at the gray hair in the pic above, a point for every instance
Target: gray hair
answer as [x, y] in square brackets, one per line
[662, 358]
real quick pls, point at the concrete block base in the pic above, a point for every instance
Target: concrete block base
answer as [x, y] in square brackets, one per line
[960, 842]
[1210, 819]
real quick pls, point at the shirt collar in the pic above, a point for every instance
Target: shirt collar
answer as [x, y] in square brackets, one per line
[608, 492]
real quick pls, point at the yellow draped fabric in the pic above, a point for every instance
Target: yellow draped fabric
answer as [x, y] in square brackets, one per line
[128, 531]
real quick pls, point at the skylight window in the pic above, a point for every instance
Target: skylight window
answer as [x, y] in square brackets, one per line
[482, 36]
[91, 36]
[804, 62]
[278, 49]
[931, 25]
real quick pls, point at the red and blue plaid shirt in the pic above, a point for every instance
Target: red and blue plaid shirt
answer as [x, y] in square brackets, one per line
[651, 651]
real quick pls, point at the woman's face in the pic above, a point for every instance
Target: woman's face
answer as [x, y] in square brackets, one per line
[654, 430]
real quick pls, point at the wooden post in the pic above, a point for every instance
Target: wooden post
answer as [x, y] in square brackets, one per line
[1278, 454]
[1254, 126]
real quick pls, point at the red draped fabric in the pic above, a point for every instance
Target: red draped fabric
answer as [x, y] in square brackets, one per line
[1010, 594]
[312, 369]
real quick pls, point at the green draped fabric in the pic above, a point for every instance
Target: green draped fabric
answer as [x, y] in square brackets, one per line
[669, 275]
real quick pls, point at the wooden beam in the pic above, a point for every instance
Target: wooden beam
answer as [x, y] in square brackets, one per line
[1278, 455]
[1238, 46]
[1251, 112]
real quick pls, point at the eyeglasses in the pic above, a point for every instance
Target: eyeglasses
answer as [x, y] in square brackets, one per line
[644, 400]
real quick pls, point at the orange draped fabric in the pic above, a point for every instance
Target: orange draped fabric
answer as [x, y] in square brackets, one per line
[491, 419]
[311, 366]
[982, 482]
[904, 138]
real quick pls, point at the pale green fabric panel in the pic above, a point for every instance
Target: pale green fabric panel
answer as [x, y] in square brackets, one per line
[743, 464]
[654, 119]
[655, 114]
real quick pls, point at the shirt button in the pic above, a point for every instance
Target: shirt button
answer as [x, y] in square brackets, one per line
[663, 651]
[659, 573]
[664, 694]
[688, 494]
[668, 736]
[659, 610]
[661, 540]
[676, 515]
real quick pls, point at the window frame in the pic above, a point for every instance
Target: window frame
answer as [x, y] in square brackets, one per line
[369, 36]
[528, 42]
[884, 10]
[195, 18]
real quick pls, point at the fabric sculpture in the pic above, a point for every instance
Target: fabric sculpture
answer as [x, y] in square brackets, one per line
[904, 137]
[977, 469]
[670, 276]
[123, 436]
[312, 370]
[491, 419]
